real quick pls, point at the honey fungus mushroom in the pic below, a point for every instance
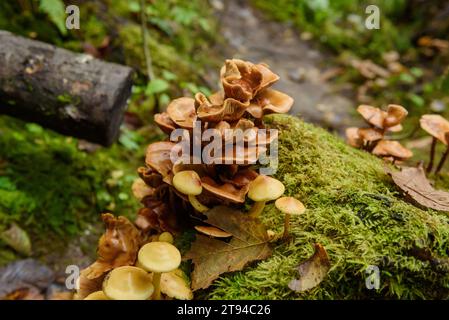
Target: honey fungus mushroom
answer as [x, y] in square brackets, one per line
[213, 232]
[128, 283]
[438, 128]
[289, 206]
[159, 257]
[261, 190]
[392, 149]
[189, 183]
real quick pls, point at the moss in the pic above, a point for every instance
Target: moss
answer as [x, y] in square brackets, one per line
[356, 213]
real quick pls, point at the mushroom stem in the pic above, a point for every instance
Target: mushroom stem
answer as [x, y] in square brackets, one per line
[256, 209]
[197, 205]
[432, 155]
[443, 160]
[286, 226]
[157, 286]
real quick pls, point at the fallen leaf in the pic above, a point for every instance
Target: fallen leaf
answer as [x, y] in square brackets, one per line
[213, 257]
[413, 182]
[18, 239]
[312, 271]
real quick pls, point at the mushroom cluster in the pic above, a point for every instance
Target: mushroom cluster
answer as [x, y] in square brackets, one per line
[173, 191]
[133, 266]
[438, 128]
[374, 138]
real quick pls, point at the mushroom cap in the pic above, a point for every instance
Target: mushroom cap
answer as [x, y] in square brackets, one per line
[290, 205]
[213, 231]
[166, 237]
[435, 125]
[395, 115]
[188, 182]
[386, 148]
[182, 112]
[159, 257]
[353, 138]
[140, 189]
[175, 285]
[97, 295]
[128, 283]
[372, 115]
[158, 158]
[164, 122]
[370, 134]
[265, 188]
[273, 101]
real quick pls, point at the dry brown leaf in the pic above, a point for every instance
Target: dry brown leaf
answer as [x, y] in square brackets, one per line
[18, 239]
[312, 271]
[212, 257]
[413, 182]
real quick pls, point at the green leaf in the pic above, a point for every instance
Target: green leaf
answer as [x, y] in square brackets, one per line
[156, 86]
[55, 9]
[18, 239]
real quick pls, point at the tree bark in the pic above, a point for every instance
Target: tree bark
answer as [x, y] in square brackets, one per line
[71, 93]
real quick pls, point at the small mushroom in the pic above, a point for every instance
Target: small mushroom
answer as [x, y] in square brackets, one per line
[158, 158]
[273, 101]
[353, 138]
[387, 148]
[164, 122]
[189, 183]
[159, 257]
[395, 115]
[166, 237]
[372, 115]
[182, 112]
[437, 127]
[290, 206]
[370, 135]
[174, 284]
[261, 190]
[97, 295]
[128, 283]
[213, 232]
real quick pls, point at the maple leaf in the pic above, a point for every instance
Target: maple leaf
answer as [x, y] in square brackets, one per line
[413, 182]
[312, 271]
[213, 257]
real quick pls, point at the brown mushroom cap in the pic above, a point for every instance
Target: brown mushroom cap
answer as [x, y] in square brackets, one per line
[213, 232]
[372, 115]
[268, 76]
[128, 283]
[188, 182]
[230, 110]
[435, 125]
[182, 112]
[353, 138]
[370, 134]
[395, 115]
[265, 188]
[387, 148]
[158, 158]
[290, 205]
[226, 191]
[159, 257]
[273, 101]
[240, 79]
[164, 122]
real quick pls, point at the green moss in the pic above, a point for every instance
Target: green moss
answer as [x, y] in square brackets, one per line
[356, 213]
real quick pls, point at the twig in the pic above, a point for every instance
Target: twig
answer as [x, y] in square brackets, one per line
[146, 49]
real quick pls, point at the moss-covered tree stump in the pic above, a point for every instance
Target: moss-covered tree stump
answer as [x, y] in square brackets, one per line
[357, 213]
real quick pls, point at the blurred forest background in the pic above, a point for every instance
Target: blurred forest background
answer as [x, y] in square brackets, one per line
[54, 187]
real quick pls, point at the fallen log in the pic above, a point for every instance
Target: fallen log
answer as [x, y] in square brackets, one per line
[74, 94]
